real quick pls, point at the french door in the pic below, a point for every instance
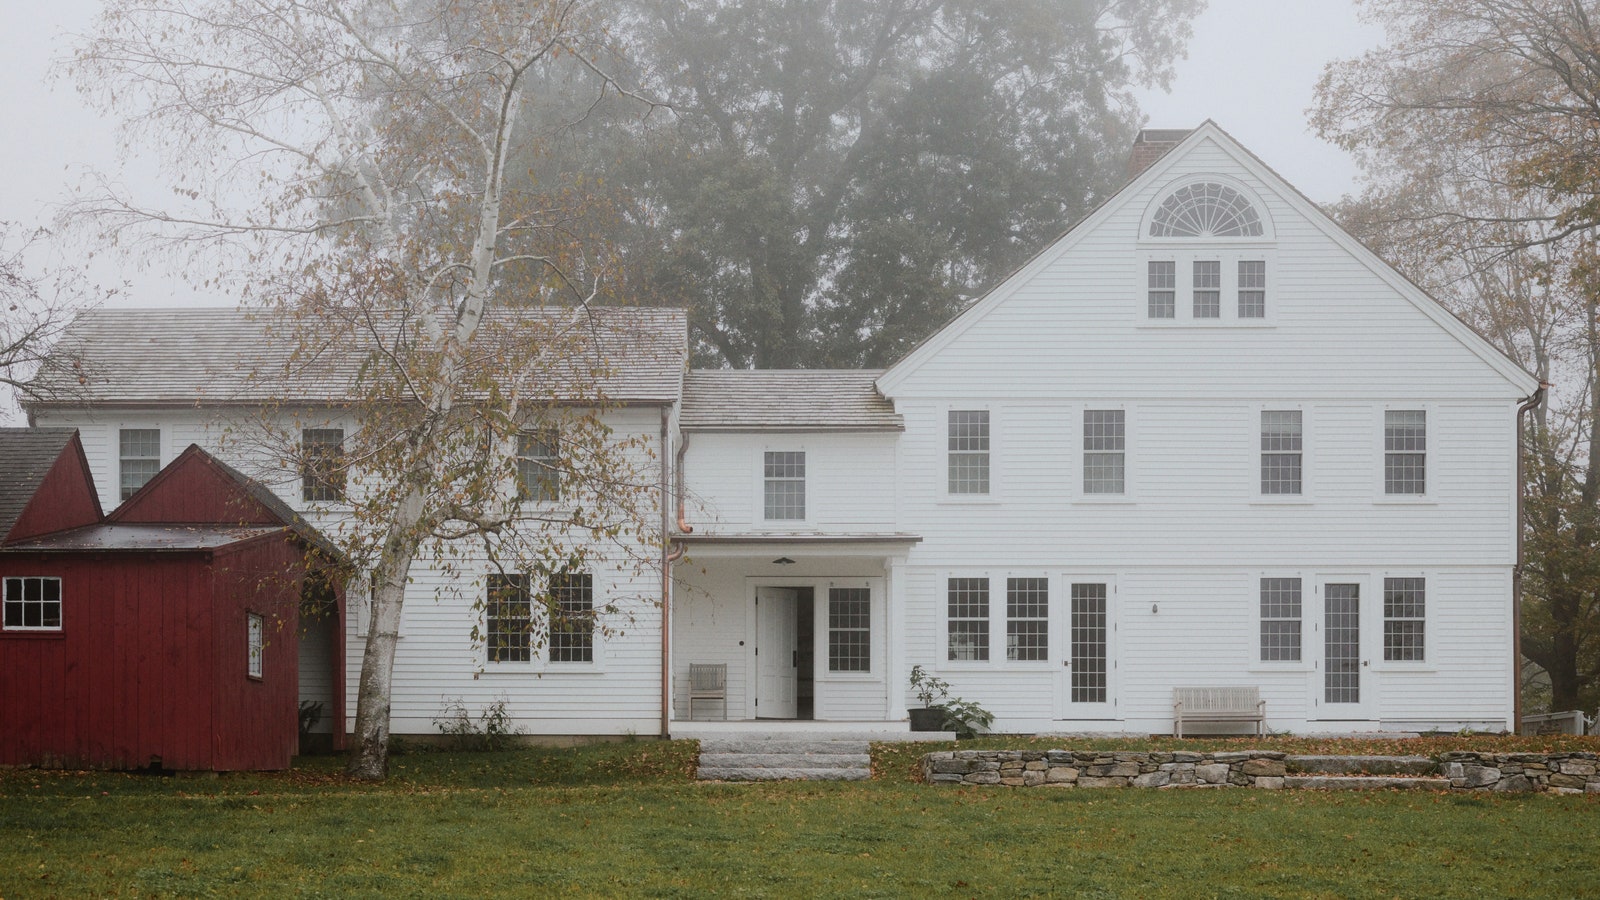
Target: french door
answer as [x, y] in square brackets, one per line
[1344, 688]
[1086, 686]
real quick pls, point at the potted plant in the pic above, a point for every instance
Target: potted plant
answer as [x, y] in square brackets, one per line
[931, 691]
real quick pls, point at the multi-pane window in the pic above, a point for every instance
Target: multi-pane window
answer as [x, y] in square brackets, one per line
[322, 474]
[968, 618]
[32, 603]
[1163, 280]
[1028, 618]
[1405, 451]
[849, 630]
[1207, 289]
[1206, 209]
[140, 453]
[1088, 635]
[1104, 448]
[572, 617]
[509, 632]
[254, 644]
[539, 465]
[784, 478]
[969, 451]
[1281, 449]
[1280, 619]
[1252, 289]
[1403, 618]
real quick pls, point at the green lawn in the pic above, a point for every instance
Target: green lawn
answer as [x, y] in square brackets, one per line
[623, 819]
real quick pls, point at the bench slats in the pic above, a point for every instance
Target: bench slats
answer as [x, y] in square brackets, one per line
[1218, 704]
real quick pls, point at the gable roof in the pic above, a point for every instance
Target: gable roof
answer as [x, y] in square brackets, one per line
[26, 457]
[786, 400]
[1288, 193]
[212, 355]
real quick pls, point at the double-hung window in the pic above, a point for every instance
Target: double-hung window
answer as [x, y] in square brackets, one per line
[1281, 450]
[968, 436]
[1405, 451]
[968, 618]
[1028, 618]
[539, 465]
[1404, 615]
[1281, 610]
[1252, 289]
[32, 603]
[849, 629]
[509, 631]
[139, 452]
[1105, 441]
[572, 612]
[322, 469]
[784, 485]
[1162, 275]
[1207, 289]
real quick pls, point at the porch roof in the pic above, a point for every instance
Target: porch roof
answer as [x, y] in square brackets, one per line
[807, 545]
[799, 537]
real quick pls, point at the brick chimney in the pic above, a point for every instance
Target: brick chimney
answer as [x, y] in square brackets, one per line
[1151, 145]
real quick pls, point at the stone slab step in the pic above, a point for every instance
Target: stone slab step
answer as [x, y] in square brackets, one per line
[1363, 765]
[783, 746]
[734, 773]
[1364, 783]
[786, 760]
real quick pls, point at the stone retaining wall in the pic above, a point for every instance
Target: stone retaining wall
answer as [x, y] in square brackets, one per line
[1558, 772]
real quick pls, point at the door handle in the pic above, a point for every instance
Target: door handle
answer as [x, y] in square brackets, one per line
[794, 658]
[1066, 663]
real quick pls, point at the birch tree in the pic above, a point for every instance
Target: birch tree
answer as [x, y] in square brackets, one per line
[350, 159]
[36, 305]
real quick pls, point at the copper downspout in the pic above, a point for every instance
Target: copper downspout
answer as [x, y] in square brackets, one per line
[683, 447]
[666, 579]
[1529, 403]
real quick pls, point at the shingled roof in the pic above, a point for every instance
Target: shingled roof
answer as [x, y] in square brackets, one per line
[786, 400]
[26, 456]
[227, 356]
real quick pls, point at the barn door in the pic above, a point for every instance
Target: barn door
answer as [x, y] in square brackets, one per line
[777, 653]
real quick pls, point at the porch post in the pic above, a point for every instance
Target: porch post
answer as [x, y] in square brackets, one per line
[894, 636]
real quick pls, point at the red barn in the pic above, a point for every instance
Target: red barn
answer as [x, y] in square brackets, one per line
[166, 633]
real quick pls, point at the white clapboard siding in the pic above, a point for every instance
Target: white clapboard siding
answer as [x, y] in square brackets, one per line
[850, 480]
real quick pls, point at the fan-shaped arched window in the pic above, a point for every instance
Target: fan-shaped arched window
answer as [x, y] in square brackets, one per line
[1206, 209]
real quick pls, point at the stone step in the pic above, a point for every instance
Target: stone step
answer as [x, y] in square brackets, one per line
[739, 773]
[1363, 765]
[1364, 783]
[786, 760]
[783, 746]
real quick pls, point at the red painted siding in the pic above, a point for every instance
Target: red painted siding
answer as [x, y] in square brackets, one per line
[193, 489]
[65, 499]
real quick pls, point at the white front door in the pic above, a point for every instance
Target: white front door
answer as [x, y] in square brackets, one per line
[777, 653]
[1086, 687]
[1344, 688]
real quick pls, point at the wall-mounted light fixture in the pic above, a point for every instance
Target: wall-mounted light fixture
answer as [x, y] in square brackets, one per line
[783, 561]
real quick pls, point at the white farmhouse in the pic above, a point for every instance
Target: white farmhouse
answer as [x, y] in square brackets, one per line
[1204, 439]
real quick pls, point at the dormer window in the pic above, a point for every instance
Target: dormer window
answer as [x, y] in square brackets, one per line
[1206, 209]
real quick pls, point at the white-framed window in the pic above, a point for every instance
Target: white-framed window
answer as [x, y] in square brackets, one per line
[539, 465]
[1206, 209]
[1252, 286]
[1207, 284]
[968, 451]
[255, 644]
[783, 485]
[1028, 619]
[967, 607]
[1281, 616]
[322, 464]
[508, 632]
[1405, 451]
[1282, 451]
[31, 603]
[1161, 276]
[1105, 443]
[139, 458]
[572, 626]
[849, 629]
[1404, 619]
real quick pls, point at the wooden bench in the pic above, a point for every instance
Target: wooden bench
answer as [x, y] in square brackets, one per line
[1218, 704]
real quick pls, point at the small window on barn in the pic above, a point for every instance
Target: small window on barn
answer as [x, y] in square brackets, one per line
[322, 474]
[253, 642]
[1206, 209]
[32, 604]
[139, 451]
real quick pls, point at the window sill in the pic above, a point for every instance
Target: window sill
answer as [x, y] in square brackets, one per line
[1405, 500]
[1299, 668]
[542, 667]
[1282, 500]
[1107, 500]
[1393, 668]
[849, 677]
[34, 635]
[968, 500]
[1205, 324]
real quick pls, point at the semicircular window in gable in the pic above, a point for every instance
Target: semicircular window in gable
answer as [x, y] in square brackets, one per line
[1206, 209]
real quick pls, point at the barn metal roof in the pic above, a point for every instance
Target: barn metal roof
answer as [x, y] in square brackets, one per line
[134, 357]
[786, 400]
[155, 538]
[26, 455]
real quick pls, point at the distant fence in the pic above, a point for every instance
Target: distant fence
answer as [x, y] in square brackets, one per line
[1571, 721]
